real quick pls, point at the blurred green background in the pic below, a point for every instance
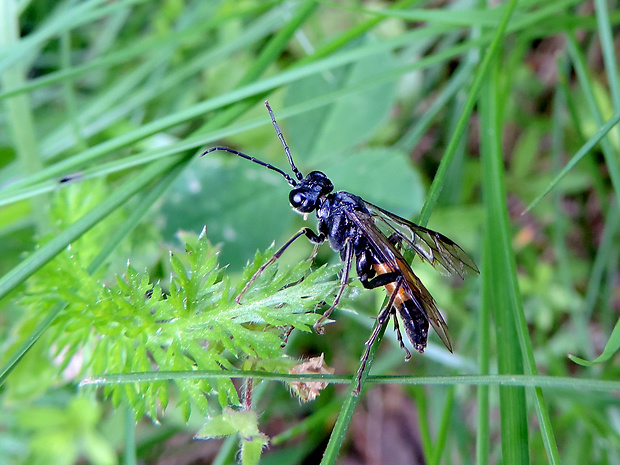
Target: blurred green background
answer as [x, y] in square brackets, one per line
[457, 113]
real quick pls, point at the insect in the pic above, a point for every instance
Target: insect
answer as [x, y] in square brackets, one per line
[377, 239]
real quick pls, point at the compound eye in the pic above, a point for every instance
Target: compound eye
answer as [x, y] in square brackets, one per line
[296, 199]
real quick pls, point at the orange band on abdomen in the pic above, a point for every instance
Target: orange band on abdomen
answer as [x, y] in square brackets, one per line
[401, 297]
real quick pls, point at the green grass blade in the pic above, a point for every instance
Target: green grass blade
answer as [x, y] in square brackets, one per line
[455, 140]
[348, 408]
[501, 290]
[483, 443]
[609, 51]
[605, 256]
[581, 68]
[582, 152]
[141, 209]
[612, 347]
[259, 88]
[560, 384]
[129, 224]
[515, 354]
[417, 131]
[45, 253]
[444, 428]
[23, 349]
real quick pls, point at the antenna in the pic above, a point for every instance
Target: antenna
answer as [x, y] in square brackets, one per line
[290, 180]
[297, 173]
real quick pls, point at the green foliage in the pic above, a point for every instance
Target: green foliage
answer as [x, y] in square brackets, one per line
[61, 436]
[133, 326]
[122, 97]
[611, 349]
[237, 422]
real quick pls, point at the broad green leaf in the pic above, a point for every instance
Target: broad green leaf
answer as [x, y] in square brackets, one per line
[243, 205]
[332, 130]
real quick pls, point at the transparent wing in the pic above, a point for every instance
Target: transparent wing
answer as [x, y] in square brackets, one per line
[388, 252]
[429, 245]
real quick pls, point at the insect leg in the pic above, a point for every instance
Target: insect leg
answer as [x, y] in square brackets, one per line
[344, 281]
[381, 280]
[309, 233]
[399, 336]
[384, 315]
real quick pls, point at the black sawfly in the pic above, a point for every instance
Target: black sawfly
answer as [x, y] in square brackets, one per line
[377, 239]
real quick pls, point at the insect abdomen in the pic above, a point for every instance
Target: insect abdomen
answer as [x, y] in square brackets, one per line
[413, 318]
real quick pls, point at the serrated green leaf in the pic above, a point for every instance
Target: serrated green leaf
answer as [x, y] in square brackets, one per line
[179, 268]
[184, 402]
[151, 401]
[163, 395]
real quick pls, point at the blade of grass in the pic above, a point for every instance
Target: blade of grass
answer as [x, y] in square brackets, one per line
[559, 383]
[444, 428]
[605, 257]
[421, 401]
[356, 31]
[511, 325]
[609, 51]
[59, 22]
[611, 348]
[170, 174]
[581, 68]
[279, 80]
[104, 110]
[456, 82]
[483, 443]
[267, 56]
[18, 109]
[45, 253]
[129, 455]
[561, 229]
[451, 150]
[141, 208]
[33, 337]
[307, 425]
[582, 152]
[348, 408]
[578, 124]
[512, 404]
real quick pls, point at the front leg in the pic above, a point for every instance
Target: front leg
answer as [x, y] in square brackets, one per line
[309, 233]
